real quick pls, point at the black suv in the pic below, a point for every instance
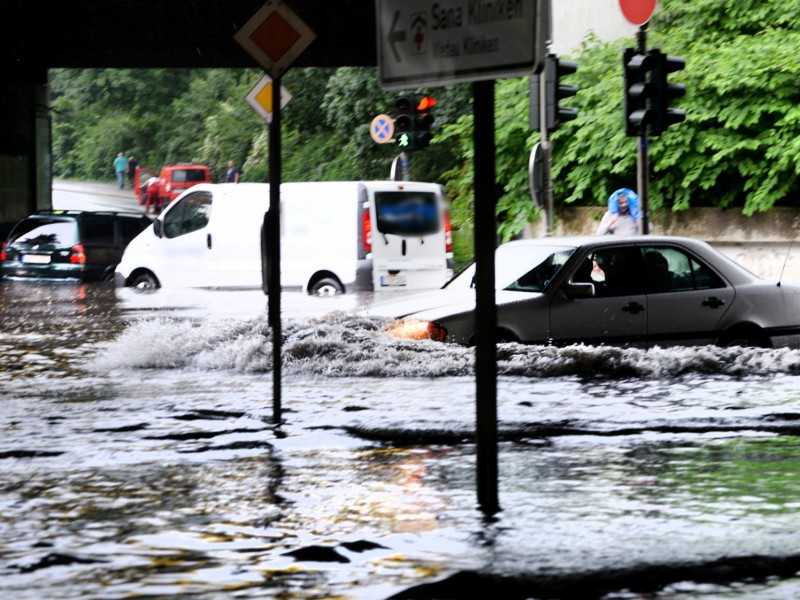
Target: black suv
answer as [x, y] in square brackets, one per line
[69, 245]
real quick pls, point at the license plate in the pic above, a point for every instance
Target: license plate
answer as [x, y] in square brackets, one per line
[393, 280]
[36, 259]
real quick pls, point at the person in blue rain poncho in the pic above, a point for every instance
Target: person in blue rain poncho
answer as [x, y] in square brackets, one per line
[622, 217]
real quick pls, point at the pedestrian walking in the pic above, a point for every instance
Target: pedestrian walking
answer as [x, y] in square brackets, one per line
[622, 217]
[233, 173]
[133, 164]
[120, 168]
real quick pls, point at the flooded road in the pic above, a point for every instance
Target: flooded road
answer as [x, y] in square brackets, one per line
[138, 458]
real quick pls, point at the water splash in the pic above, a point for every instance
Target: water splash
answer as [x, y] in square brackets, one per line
[343, 345]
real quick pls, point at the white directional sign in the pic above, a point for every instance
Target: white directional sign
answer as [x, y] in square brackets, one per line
[435, 42]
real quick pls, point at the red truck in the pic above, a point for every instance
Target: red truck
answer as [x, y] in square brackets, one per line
[171, 182]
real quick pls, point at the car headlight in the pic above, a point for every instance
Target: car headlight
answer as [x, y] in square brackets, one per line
[414, 329]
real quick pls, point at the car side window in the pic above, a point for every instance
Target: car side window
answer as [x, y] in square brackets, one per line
[190, 214]
[617, 271]
[673, 270]
[542, 274]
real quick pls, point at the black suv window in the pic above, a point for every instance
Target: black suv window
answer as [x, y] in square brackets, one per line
[45, 233]
[97, 231]
[189, 214]
[130, 228]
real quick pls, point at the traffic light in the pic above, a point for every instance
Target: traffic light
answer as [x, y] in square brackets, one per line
[640, 91]
[413, 121]
[423, 121]
[648, 92]
[554, 70]
[666, 92]
[405, 115]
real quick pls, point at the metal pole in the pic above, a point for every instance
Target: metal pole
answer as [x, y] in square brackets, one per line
[642, 165]
[272, 233]
[546, 152]
[485, 307]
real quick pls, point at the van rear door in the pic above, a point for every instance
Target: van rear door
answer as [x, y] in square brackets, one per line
[408, 236]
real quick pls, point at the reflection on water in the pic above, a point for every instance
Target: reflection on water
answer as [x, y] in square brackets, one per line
[139, 458]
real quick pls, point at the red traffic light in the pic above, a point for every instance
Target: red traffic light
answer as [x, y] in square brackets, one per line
[426, 103]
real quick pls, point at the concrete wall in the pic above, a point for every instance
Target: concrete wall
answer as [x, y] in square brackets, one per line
[763, 243]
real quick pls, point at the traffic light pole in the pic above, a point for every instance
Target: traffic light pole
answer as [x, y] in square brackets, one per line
[547, 156]
[642, 164]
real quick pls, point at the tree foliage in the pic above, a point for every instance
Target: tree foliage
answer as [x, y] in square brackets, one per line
[739, 146]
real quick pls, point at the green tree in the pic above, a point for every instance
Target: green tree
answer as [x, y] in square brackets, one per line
[739, 146]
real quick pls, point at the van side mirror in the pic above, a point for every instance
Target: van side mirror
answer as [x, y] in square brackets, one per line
[579, 290]
[157, 228]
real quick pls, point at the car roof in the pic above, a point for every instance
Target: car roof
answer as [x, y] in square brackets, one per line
[77, 215]
[580, 241]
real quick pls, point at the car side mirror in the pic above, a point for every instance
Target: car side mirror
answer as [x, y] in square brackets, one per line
[580, 290]
[157, 228]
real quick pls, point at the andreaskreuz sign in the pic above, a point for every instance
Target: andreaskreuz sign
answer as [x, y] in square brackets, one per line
[444, 41]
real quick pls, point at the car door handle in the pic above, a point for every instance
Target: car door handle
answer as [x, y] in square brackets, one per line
[208, 240]
[713, 302]
[633, 308]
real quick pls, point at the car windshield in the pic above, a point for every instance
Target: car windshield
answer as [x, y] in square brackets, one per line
[45, 234]
[524, 268]
[407, 213]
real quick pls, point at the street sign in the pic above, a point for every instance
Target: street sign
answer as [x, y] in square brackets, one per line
[274, 36]
[638, 12]
[382, 129]
[260, 98]
[424, 42]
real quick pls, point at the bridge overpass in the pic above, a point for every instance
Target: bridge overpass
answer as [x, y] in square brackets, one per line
[38, 35]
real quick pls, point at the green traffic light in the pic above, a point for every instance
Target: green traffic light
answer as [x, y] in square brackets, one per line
[402, 141]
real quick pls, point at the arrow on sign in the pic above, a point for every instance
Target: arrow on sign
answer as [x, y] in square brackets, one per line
[396, 36]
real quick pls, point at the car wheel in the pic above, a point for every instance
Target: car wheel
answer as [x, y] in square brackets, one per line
[747, 338]
[144, 281]
[327, 286]
[504, 336]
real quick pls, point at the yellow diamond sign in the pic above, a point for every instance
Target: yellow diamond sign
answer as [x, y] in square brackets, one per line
[260, 98]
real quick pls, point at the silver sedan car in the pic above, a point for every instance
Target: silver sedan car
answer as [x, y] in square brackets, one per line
[639, 291]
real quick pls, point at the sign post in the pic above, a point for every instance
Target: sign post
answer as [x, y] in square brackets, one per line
[638, 12]
[274, 36]
[434, 43]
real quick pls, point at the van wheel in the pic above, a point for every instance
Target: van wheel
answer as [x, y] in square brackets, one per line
[326, 286]
[145, 281]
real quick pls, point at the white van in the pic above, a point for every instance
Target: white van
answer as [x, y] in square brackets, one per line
[335, 237]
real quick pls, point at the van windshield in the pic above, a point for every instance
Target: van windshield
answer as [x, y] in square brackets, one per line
[407, 213]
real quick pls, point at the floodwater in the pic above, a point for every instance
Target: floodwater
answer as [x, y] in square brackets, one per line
[138, 459]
